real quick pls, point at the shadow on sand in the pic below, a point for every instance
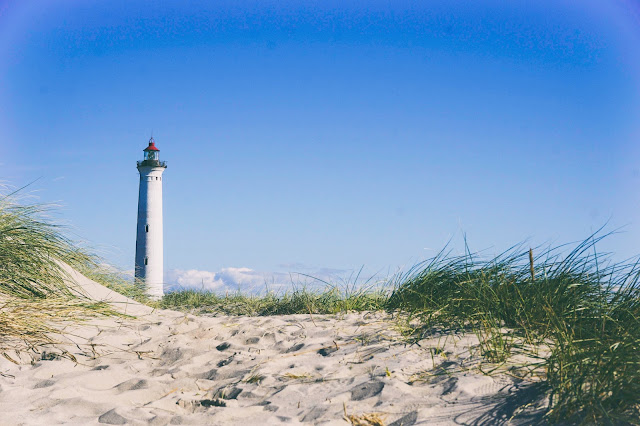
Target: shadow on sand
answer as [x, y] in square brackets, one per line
[526, 404]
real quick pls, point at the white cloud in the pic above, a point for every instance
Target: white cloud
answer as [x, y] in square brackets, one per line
[193, 278]
[247, 280]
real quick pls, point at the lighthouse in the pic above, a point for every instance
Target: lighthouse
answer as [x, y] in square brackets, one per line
[149, 257]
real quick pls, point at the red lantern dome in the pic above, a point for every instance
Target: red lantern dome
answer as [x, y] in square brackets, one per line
[152, 146]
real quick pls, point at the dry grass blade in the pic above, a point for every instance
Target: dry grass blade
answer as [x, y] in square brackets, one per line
[28, 324]
[35, 301]
[365, 419]
[31, 249]
[300, 376]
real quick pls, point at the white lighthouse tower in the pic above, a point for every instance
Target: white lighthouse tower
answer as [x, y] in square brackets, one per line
[149, 256]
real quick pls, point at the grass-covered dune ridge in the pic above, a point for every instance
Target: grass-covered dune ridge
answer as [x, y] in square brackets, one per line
[332, 299]
[584, 310]
[31, 249]
[34, 292]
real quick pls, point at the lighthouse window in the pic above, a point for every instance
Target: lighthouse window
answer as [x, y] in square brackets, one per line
[150, 155]
[146, 260]
[156, 177]
[146, 228]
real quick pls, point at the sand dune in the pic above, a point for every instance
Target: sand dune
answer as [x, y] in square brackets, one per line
[165, 367]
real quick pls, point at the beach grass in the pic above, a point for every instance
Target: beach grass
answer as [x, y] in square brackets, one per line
[570, 309]
[34, 295]
[331, 300]
[583, 310]
[31, 249]
[117, 281]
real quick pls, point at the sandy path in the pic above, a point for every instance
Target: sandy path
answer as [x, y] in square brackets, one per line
[169, 368]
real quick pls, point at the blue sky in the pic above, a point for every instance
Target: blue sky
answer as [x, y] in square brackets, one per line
[319, 137]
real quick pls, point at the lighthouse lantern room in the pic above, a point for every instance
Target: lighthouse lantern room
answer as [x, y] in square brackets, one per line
[149, 250]
[151, 152]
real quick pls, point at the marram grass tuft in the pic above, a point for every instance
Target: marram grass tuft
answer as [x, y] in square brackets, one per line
[31, 250]
[34, 297]
[585, 310]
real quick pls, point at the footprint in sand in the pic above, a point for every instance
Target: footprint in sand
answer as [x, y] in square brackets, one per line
[406, 420]
[232, 374]
[295, 348]
[227, 393]
[133, 384]
[314, 414]
[44, 384]
[112, 418]
[209, 375]
[176, 420]
[327, 351]
[171, 356]
[366, 390]
[223, 346]
[226, 361]
[157, 372]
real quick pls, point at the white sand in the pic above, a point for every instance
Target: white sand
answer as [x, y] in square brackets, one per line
[165, 367]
